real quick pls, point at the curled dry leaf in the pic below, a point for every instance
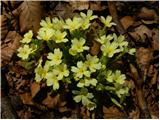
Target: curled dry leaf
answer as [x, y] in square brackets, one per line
[95, 48]
[143, 57]
[10, 48]
[26, 98]
[127, 21]
[35, 88]
[113, 113]
[3, 26]
[148, 14]
[51, 102]
[141, 33]
[30, 13]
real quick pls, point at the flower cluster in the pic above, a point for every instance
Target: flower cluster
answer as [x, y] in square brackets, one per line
[63, 51]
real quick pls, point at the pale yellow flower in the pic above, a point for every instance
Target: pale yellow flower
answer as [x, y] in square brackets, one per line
[27, 37]
[60, 36]
[24, 52]
[56, 57]
[78, 46]
[61, 71]
[93, 63]
[45, 34]
[80, 70]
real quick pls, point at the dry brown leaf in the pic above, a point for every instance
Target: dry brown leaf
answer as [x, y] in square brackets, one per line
[30, 16]
[26, 98]
[95, 48]
[35, 88]
[50, 101]
[8, 50]
[3, 26]
[127, 21]
[12, 4]
[112, 113]
[85, 113]
[143, 57]
[148, 14]
[96, 5]
[155, 39]
[140, 33]
[79, 5]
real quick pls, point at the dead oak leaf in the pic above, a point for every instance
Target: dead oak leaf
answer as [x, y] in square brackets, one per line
[127, 21]
[144, 57]
[51, 102]
[10, 48]
[112, 113]
[30, 13]
[35, 88]
[3, 26]
[148, 14]
[141, 33]
[26, 98]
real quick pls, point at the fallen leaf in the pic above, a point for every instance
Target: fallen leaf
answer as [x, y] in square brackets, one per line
[96, 5]
[51, 102]
[113, 113]
[8, 50]
[85, 113]
[148, 14]
[12, 4]
[35, 88]
[30, 16]
[127, 21]
[3, 26]
[95, 48]
[143, 57]
[155, 39]
[26, 98]
[141, 33]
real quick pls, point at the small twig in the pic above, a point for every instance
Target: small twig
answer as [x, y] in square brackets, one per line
[139, 92]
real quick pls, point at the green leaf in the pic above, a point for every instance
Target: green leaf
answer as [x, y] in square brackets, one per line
[78, 98]
[116, 103]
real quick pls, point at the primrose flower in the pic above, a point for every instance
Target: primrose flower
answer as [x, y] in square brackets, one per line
[57, 23]
[77, 46]
[56, 57]
[107, 22]
[46, 23]
[87, 82]
[73, 24]
[109, 76]
[122, 91]
[118, 77]
[60, 36]
[86, 19]
[61, 71]
[24, 52]
[89, 15]
[27, 37]
[103, 39]
[110, 49]
[41, 71]
[121, 41]
[45, 34]
[80, 70]
[93, 63]
[52, 80]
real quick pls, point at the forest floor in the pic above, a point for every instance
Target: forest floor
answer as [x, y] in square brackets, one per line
[22, 97]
